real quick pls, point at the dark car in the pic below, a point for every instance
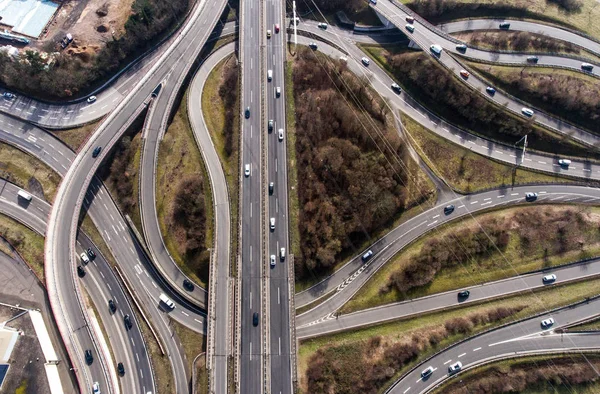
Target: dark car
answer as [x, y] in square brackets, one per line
[448, 209]
[127, 321]
[96, 151]
[121, 369]
[255, 319]
[531, 197]
[91, 254]
[532, 59]
[464, 294]
[247, 112]
[367, 255]
[271, 187]
[80, 271]
[112, 307]
[188, 285]
[504, 25]
[89, 359]
[491, 91]
[270, 125]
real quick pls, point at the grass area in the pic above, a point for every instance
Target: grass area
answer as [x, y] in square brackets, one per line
[567, 94]
[192, 342]
[290, 127]
[517, 257]
[402, 330]
[583, 19]
[178, 157]
[440, 92]
[201, 376]
[28, 172]
[464, 170]
[591, 325]
[214, 115]
[505, 40]
[28, 243]
[537, 374]
[75, 137]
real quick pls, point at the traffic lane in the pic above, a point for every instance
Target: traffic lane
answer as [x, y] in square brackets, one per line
[449, 299]
[525, 336]
[398, 238]
[381, 82]
[517, 25]
[425, 38]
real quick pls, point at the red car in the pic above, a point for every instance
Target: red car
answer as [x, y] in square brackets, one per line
[277, 28]
[464, 73]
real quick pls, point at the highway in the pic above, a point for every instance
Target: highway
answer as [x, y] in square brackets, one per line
[220, 326]
[101, 285]
[280, 283]
[521, 338]
[426, 35]
[253, 218]
[517, 25]
[352, 276]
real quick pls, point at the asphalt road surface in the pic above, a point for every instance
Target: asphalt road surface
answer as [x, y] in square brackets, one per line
[524, 337]
[279, 343]
[220, 282]
[252, 32]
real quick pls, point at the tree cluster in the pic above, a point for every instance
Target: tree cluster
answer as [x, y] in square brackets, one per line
[351, 179]
[568, 5]
[70, 75]
[228, 91]
[436, 10]
[365, 367]
[119, 175]
[189, 213]
[522, 41]
[331, 6]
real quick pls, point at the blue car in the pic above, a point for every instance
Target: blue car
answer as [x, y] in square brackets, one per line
[490, 90]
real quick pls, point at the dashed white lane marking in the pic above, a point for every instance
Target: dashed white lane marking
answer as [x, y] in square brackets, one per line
[447, 362]
[187, 314]
[474, 202]
[460, 355]
[406, 390]
[476, 349]
[432, 223]
[198, 321]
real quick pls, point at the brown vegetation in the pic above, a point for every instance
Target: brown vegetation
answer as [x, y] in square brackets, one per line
[120, 176]
[365, 367]
[520, 41]
[70, 75]
[543, 375]
[553, 231]
[228, 91]
[189, 213]
[568, 95]
[351, 167]
[442, 93]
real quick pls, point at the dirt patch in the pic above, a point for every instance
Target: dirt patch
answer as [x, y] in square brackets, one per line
[80, 19]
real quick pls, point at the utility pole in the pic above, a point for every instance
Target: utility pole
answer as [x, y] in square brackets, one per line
[524, 147]
[295, 22]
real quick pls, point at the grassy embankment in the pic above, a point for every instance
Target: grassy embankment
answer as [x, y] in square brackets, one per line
[488, 247]
[377, 356]
[180, 165]
[29, 244]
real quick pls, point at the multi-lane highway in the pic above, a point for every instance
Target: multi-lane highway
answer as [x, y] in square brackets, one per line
[279, 342]
[426, 35]
[522, 338]
[101, 285]
[253, 260]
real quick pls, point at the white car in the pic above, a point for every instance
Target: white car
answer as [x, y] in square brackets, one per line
[410, 28]
[272, 260]
[247, 170]
[323, 26]
[96, 388]
[527, 111]
[427, 371]
[282, 254]
[396, 88]
[280, 134]
[91, 99]
[272, 221]
[277, 91]
[454, 368]
[549, 278]
[564, 162]
[365, 61]
[344, 59]
[547, 322]
[84, 258]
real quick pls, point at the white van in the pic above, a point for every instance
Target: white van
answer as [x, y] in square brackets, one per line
[435, 48]
[269, 75]
[166, 300]
[24, 195]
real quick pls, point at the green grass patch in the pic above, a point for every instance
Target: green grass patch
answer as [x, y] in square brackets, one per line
[556, 374]
[178, 158]
[28, 243]
[464, 170]
[591, 325]
[400, 331]
[75, 137]
[213, 108]
[192, 343]
[28, 172]
[523, 252]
